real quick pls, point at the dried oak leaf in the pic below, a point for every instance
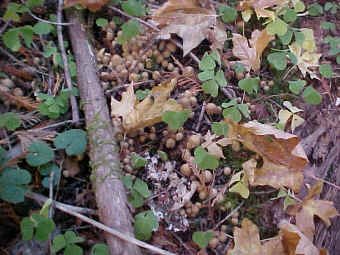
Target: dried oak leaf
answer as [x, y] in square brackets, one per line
[211, 144]
[92, 5]
[247, 241]
[309, 208]
[251, 56]
[295, 242]
[283, 156]
[305, 60]
[189, 21]
[260, 7]
[147, 112]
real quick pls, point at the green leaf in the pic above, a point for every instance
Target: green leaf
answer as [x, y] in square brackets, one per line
[249, 85]
[100, 249]
[142, 188]
[326, 70]
[72, 238]
[328, 6]
[207, 62]
[27, 34]
[292, 58]
[163, 155]
[145, 223]
[216, 56]
[227, 13]
[10, 121]
[238, 67]
[232, 113]
[296, 86]
[40, 153]
[299, 6]
[202, 238]
[134, 8]
[299, 37]
[287, 37]
[73, 250]
[11, 39]
[278, 60]
[46, 208]
[338, 59]
[210, 87]
[3, 156]
[204, 160]
[34, 3]
[141, 94]
[289, 16]
[101, 22]
[129, 30]
[206, 75]
[243, 108]
[49, 50]
[59, 243]
[44, 229]
[232, 102]
[12, 12]
[73, 140]
[220, 128]
[136, 199]
[42, 28]
[287, 202]
[220, 78]
[311, 96]
[240, 188]
[137, 160]
[27, 229]
[315, 9]
[127, 180]
[327, 25]
[175, 120]
[278, 26]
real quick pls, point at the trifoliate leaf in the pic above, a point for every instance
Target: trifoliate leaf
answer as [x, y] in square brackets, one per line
[44, 229]
[228, 14]
[278, 60]
[59, 243]
[296, 86]
[249, 85]
[71, 238]
[27, 229]
[42, 28]
[202, 238]
[137, 160]
[129, 30]
[232, 113]
[142, 188]
[100, 249]
[101, 22]
[134, 7]
[207, 62]
[278, 26]
[210, 87]
[204, 160]
[73, 141]
[10, 121]
[220, 128]
[311, 96]
[40, 153]
[206, 75]
[175, 120]
[220, 78]
[145, 223]
[326, 70]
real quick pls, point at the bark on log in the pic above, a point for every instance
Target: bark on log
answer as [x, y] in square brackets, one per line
[321, 140]
[110, 193]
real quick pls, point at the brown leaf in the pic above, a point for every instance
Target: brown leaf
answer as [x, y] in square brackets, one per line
[296, 242]
[251, 55]
[283, 157]
[148, 112]
[189, 21]
[310, 207]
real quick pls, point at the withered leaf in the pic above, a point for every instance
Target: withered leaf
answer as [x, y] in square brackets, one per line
[250, 56]
[283, 157]
[148, 112]
[189, 21]
[92, 5]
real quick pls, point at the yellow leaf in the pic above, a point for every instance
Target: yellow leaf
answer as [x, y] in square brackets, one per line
[148, 112]
[241, 189]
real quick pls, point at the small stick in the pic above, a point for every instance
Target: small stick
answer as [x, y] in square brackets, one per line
[74, 104]
[201, 116]
[4, 26]
[70, 210]
[228, 216]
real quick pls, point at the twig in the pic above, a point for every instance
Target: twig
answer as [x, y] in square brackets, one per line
[319, 179]
[74, 104]
[193, 56]
[200, 117]
[72, 210]
[50, 213]
[229, 215]
[182, 243]
[4, 27]
[42, 199]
